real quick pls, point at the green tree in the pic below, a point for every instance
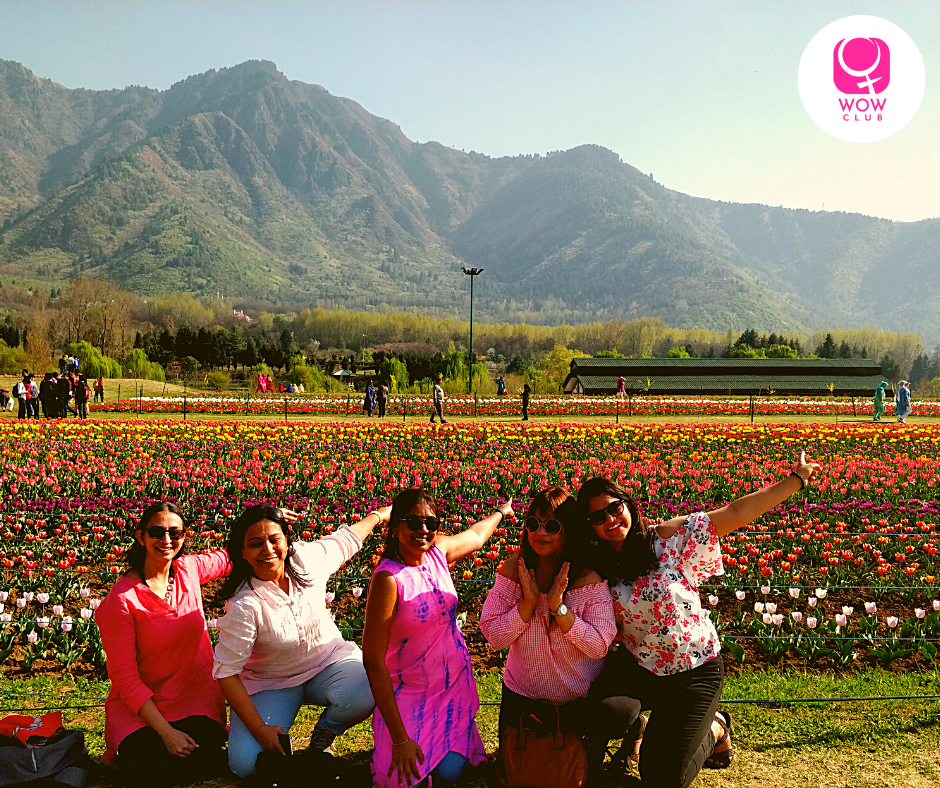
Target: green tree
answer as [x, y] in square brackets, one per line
[828, 348]
[679, 352]
[394, 368]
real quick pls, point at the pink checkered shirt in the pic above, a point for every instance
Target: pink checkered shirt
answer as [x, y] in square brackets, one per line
[545, 663]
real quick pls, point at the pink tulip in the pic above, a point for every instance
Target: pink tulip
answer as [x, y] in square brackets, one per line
[42, 622]
[85, 613]
[330, 596]
[847, 610]
[32, 637]
[758, 607]
[712, 600]
[892, 621]
[797, 616]
[841, 620]
[5, 617]
[741, 594]
[811, 601]
[57, 610]
[84, 593]
[93, 603]
[871, 607]
[765, 590]
[20, 602]
[67, 624]
[42, 598]
[920, 612]
[357, 592]
[811, 622]
[821, 593]
[936, 604]
[28, 596]
[4, 596]
[771, 607]
[767, 618]
[794, 592]
[777, 619]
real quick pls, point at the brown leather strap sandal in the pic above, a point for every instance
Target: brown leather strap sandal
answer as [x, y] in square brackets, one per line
[721, 760]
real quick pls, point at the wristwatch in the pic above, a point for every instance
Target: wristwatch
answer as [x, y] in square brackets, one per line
[562, 610]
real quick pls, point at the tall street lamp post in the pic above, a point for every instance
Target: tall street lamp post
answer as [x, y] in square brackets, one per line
[471, 272]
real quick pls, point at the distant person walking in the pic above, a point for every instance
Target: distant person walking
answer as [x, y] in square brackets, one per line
[382, 395]
[368, 403]
[437, 398]
[621, 387]
[81, 397]
[501, 387]
[902, 401]
[99, 391]
[22, 393]
[879, 404]
[526, 395]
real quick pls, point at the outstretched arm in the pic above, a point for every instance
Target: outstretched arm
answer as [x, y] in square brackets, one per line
[744, 510]
[461, 545]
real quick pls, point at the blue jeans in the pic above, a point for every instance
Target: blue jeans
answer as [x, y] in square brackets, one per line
[447, 771]
[343, 688]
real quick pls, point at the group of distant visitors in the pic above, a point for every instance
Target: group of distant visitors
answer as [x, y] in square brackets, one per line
[902, 401]
[266, 386]
[376, 399]
[55, 397]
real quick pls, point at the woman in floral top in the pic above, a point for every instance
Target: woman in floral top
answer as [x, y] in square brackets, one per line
[670, 659]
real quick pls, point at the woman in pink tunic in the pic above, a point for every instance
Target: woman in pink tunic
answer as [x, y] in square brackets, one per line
[165, 716]
[414, 654]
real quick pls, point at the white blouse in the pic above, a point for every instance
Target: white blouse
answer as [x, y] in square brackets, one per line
[660, 615]
[275, 640]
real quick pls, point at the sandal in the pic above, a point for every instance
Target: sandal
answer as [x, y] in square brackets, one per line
[721, 760]
[629, 752]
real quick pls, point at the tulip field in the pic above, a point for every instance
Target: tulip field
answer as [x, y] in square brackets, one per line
[417, 406]
[845, 573]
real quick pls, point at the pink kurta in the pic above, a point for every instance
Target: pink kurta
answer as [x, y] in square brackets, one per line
[158, 651]
[430, 669]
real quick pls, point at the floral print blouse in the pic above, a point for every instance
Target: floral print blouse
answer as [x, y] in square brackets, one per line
[660, 614]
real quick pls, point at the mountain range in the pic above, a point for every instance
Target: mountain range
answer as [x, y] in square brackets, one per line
[244, 183]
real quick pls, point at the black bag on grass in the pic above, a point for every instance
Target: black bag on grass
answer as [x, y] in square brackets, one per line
[57, 760]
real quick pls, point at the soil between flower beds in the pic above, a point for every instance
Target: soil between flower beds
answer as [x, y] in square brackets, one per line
[349, 612]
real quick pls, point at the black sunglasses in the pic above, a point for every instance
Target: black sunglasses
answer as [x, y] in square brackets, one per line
[613, 509]
[158, 532]
[532, 525]
[414, 522]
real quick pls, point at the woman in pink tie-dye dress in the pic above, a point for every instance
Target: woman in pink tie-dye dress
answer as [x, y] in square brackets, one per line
[414, 654]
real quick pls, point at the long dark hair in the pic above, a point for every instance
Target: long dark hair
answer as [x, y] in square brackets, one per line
[557, 502]
[638, 556]
[138, 553]
[404, 502]
[241, 569]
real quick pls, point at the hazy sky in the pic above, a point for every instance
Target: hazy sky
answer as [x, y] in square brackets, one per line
[703, 95]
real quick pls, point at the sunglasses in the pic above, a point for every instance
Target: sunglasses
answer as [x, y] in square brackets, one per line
[158, 532]
[613, 509]
[414, 522]
[533, 524]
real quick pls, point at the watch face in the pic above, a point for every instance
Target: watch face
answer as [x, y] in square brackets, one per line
[562, 610]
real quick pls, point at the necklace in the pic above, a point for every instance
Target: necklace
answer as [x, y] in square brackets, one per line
[169, 590]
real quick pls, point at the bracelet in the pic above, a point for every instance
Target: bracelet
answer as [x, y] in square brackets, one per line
[802, 480]
[376, 513]
[501, 516]
[401, 744]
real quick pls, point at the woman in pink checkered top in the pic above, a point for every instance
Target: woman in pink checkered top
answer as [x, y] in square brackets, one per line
[556, 617]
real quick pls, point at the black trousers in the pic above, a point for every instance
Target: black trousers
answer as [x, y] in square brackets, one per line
[525, 411]
[382, 404]
[438, 411]
[679, 738]
[144, 761]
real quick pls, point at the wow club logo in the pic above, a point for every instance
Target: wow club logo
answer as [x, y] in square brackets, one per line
[861, 79]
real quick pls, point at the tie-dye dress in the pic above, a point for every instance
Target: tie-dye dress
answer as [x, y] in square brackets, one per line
[430, 669]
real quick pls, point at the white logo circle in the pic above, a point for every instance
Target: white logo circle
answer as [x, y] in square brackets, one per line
[861, 79]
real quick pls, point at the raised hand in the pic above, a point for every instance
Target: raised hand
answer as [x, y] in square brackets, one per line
[807, 470]
[556, 593]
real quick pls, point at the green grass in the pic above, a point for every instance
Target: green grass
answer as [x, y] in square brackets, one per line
[858, 744]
